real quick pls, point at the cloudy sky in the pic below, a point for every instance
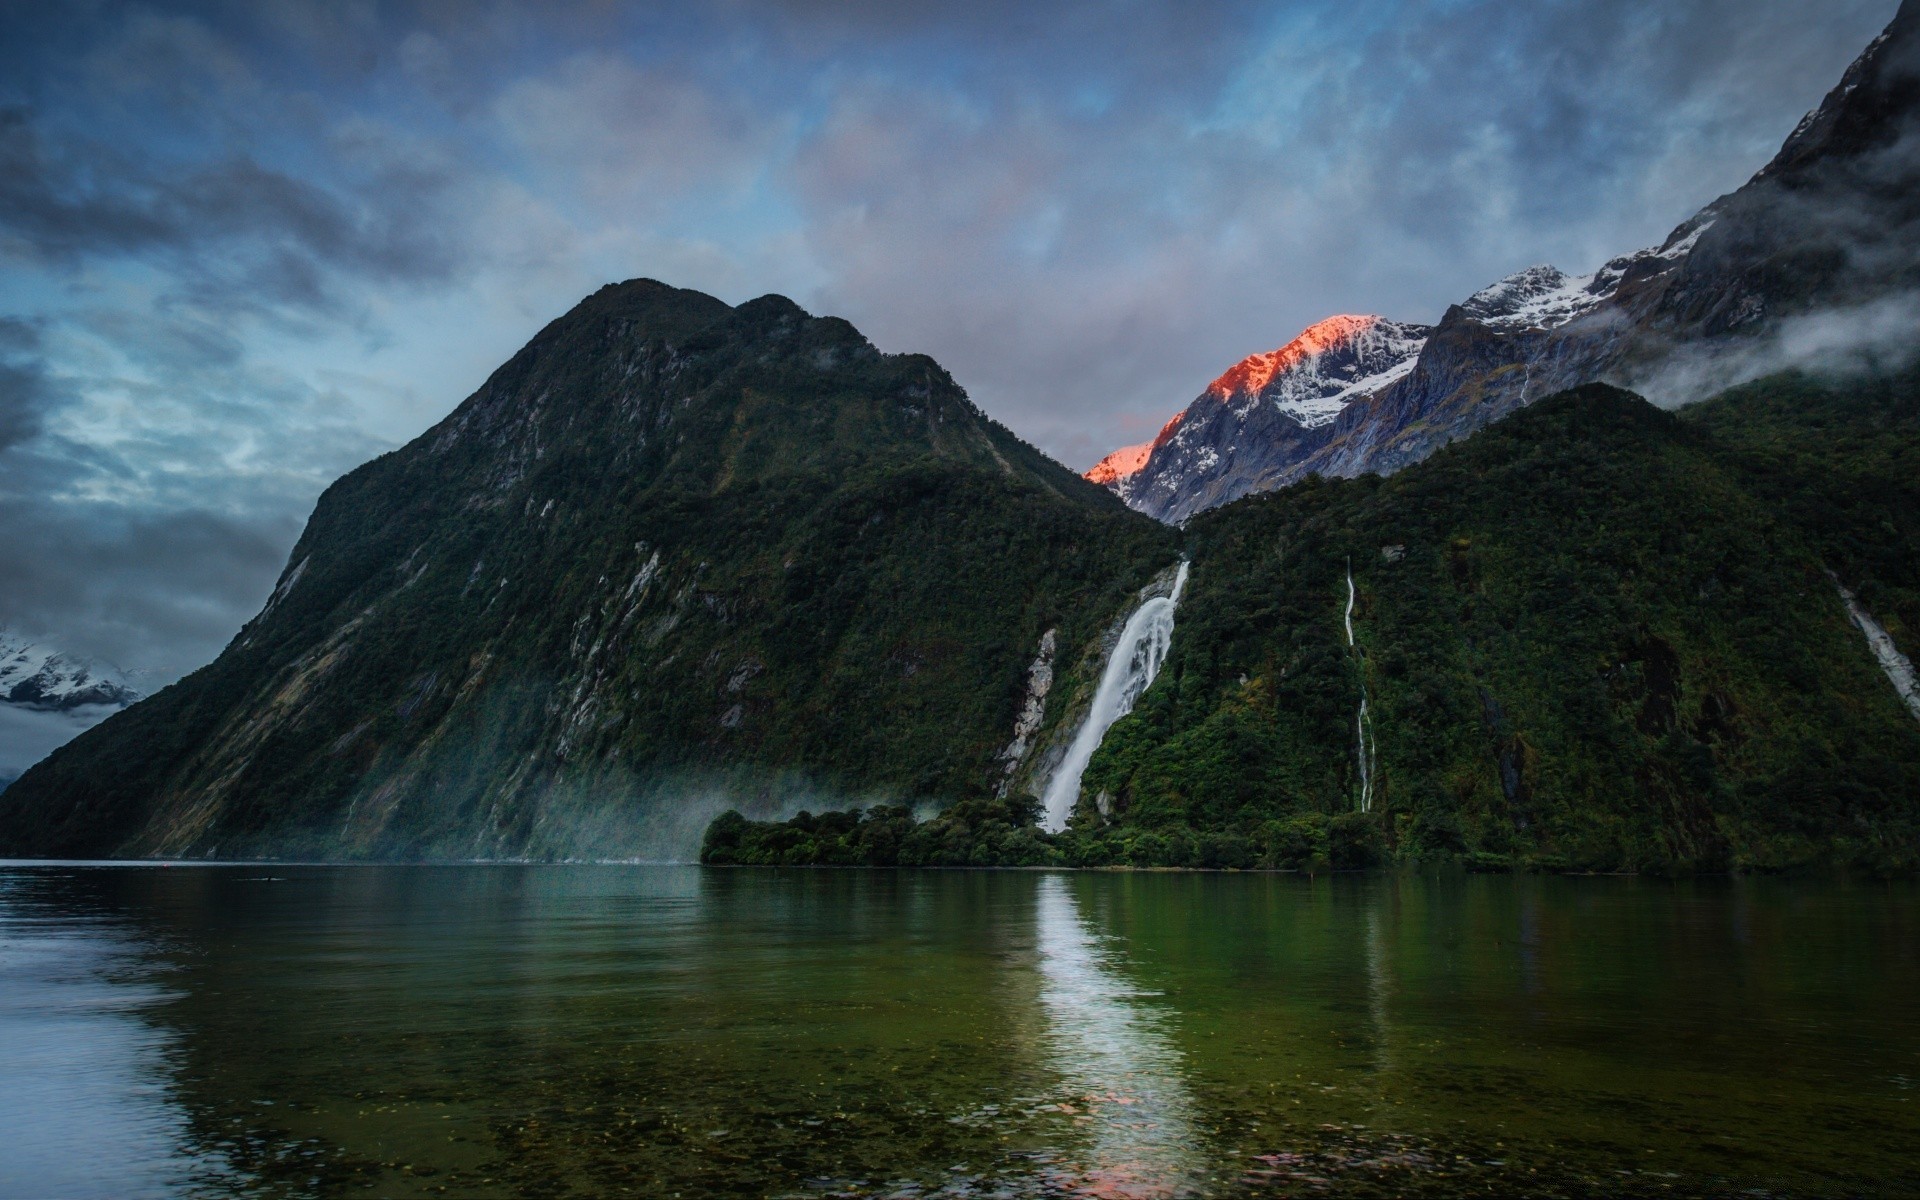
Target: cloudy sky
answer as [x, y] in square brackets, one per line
[245, 246]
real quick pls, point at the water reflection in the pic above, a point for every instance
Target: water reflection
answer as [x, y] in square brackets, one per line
[336, 1031]
[1119, 1065]
[83, 1067]
[1379, 988]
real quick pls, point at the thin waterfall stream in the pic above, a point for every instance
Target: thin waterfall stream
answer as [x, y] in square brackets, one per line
[1130, 669]
[1897, 666]
[1362, 723]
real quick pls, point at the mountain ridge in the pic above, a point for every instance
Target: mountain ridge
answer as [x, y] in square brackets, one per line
[1829, 222]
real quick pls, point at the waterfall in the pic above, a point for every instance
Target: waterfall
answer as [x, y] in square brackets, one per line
[1897, 666]
[1363, 743]
[1135, 660]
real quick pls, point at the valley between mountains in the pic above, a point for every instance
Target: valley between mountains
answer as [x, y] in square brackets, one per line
[690, 578]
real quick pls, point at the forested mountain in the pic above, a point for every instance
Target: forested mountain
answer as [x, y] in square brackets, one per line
[672, 555]
[1594, 636]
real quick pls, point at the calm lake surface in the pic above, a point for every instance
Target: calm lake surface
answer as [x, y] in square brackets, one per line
[604, 1030]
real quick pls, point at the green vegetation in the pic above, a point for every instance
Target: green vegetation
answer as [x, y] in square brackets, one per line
[1003, 833]
[1841, 461]
[1593, 637]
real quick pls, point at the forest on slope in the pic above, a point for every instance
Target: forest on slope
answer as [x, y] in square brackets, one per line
[1595, 636]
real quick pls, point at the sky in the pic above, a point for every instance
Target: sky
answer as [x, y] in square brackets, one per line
[245, 247]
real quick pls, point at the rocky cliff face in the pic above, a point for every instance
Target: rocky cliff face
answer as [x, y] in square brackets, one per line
[673, 556]
[1829, 231]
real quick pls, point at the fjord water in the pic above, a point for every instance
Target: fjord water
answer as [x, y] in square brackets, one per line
[602, 1030]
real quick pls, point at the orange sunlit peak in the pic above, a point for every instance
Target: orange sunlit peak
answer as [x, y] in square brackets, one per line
[1255, 371]
[1128, 461]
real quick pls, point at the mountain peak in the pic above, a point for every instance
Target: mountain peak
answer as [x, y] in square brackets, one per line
[1279, 395]
[1117, 470]
[1254, 372]
[1867, 109]
[1327, 366]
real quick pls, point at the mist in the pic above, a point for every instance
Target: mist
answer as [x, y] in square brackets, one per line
[1877, 338]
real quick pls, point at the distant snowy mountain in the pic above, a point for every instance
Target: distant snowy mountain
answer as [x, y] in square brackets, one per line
[1545, 297]
[36, 675]
[1247, 419]
[1830, 227]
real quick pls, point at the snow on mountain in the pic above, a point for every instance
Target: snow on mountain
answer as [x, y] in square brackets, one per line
[1273, 417]
[1545, 297]
[1542, 297]
[1121, 464]
[1320, 372]
[35, 675]
[1268, 397]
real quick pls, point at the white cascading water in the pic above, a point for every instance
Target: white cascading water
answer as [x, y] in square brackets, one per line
[1897, 666]
[1362, 724]
[1135, 660]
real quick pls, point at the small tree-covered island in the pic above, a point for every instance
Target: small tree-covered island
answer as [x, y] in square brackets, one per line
[691, 579]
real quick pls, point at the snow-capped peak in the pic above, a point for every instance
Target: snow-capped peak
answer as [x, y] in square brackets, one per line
[35, 675]
[1545, 297]
[1122, 463]
[1328, 366]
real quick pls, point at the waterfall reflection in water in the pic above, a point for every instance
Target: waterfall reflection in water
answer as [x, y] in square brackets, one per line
[1120, 1068]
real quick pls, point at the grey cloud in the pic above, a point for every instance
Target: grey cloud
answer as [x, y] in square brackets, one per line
[1085, 270]
[634, 138]
[148, 544]
[237, 233]
[156, 592]
[26, 394]
[23, 398]
[28, 735]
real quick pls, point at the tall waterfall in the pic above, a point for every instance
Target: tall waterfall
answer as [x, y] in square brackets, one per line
[1363, 745]
[1135, 660]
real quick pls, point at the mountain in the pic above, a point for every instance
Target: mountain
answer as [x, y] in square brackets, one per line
[1816, 258]
[1594, 636]
[35, 675]
[1256, 416]
[673, 555]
